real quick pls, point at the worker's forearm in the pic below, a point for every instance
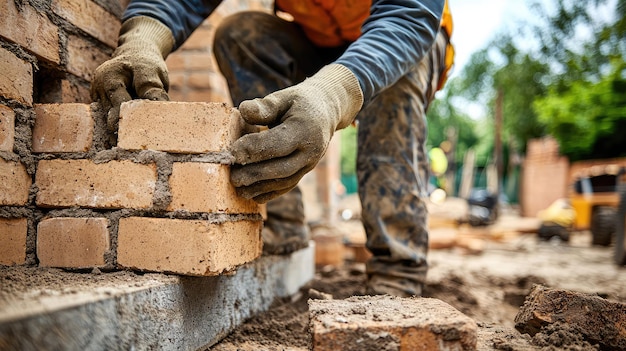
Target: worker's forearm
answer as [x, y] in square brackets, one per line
[180, 16]
[396, 36]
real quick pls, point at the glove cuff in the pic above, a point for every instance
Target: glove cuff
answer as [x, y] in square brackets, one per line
[342, 85]
[147, 32]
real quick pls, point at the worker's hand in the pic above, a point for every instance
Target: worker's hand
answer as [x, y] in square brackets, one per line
[137, 68]
[302, 120]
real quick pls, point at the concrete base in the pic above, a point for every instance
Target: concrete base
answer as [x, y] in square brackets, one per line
[113, 311]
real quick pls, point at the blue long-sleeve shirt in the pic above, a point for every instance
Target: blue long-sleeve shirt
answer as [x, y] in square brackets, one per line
[396, 35]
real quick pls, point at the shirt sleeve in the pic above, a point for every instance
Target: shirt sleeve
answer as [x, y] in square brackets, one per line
[396, 36]
[182, 17]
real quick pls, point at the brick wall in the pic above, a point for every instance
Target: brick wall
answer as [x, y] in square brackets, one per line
[160, 199]
[544, 176]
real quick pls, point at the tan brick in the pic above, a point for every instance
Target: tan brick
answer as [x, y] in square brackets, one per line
[83, 57]
[206, 187]
[13, 241]
[7, 128]
[196, 61]
[177, 127]
[598, 320]
[201, 39]
[91, 18]
[72, 242]
[63, 128]
[190, 247]
[200, 80]
[177, 80]
[16, 80]
[389, 323]
[175, 61]
[115, 184]
[73, 92]
[14, 183]
[30, 29]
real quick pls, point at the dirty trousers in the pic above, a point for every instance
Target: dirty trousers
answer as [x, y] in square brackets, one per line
[260, 53]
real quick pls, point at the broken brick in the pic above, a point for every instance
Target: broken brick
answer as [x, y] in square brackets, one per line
[599, 320]
[373, 323]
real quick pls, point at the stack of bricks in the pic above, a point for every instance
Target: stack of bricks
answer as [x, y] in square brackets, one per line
[68, 197]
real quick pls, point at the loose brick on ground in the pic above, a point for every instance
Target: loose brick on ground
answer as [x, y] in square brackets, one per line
[16, 80]
[91, 18]
[63, 128]
[111, 185]
[72, 242]
[373, 323]
[189, 247]
[30, 29]
[14, 183]
[7, 128]
[177, 127]
[599, 320]
[206, 187]
[13, 241]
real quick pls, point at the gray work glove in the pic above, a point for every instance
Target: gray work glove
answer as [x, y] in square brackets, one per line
[302, 120]
[137, 68]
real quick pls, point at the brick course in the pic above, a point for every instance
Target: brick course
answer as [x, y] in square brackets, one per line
[115, 184]
[15, 183]
[191, 247]
[84, 57]
[7, 128]
[13, 240]
[72, 242]
[177, 127]
[63, 128]
[205, 187]
[16, 80]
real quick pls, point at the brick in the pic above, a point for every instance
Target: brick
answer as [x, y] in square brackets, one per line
[16, 81]
[389, 323]
[72, 242]
[175, 61]
[7, 128]
[201, 80]
[74, 92]
[188, 247]
[599, 320]
[13, 241]
[177, 80]
[201, 39]
[63, 128]
[177, 127]
[206, 187]
[199, 61]
[30, 29]
[14, 183]
[114, 184]
[83, 57]
[91, 18]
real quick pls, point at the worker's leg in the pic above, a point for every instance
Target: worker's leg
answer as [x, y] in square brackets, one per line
[258, 54]
[393, 175]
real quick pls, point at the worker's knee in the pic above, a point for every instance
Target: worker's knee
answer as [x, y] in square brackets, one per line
[241, 27]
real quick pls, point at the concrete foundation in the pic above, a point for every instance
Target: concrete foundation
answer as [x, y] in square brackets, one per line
[49, 309]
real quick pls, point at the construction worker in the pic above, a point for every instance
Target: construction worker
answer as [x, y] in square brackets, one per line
[380, 62]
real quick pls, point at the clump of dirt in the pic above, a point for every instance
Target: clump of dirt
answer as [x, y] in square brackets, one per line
[562, 337]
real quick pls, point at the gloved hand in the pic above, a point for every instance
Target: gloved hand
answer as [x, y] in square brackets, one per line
[137, 67]
[302, 120]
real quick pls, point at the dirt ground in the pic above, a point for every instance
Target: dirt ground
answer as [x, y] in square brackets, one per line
[488, 286]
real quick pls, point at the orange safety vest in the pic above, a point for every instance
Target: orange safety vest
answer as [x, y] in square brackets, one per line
[331, 23]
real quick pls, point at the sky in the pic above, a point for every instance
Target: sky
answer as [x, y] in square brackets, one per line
[476, 21]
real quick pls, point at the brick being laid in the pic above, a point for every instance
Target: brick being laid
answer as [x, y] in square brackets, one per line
[178, 127]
